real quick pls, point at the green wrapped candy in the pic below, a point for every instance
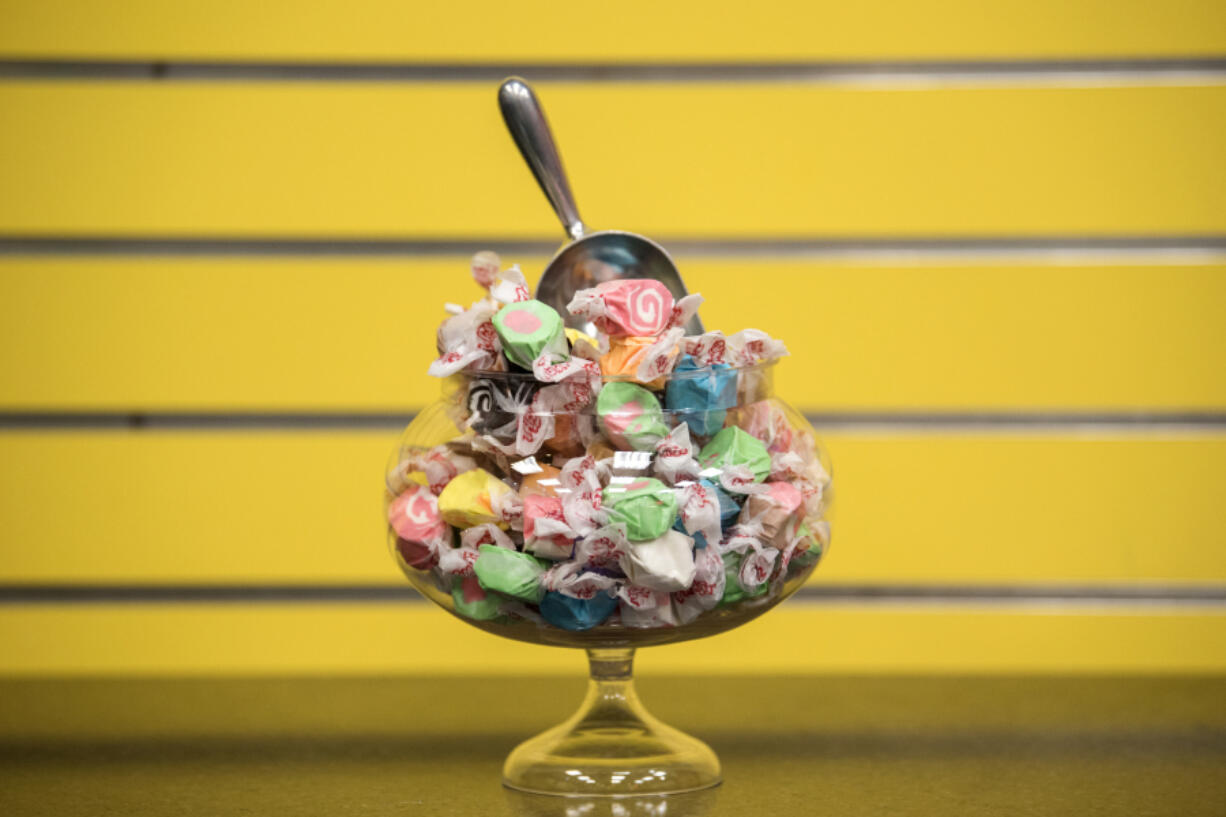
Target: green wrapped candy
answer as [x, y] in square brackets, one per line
[733, 592]
[814, 540]
[646, 506]
[510, 572]
[630, 416]
[528, 329]
[732, 446]
[471, 600]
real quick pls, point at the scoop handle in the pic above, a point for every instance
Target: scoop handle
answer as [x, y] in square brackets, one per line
[526, 121]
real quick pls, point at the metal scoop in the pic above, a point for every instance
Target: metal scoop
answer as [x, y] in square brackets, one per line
[591, 257]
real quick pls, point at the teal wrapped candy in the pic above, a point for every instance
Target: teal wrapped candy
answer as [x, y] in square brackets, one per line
[701, 399]
[732, 446]
[574, 614]
[646, 506]
[510, 572]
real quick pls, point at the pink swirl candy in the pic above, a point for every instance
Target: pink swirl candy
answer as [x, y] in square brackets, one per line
[414, 515]
[631, 306]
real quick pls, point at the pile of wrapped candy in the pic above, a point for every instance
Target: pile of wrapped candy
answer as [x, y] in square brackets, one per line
[637, 476]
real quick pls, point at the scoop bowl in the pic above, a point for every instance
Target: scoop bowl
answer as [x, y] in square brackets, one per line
[590, 258]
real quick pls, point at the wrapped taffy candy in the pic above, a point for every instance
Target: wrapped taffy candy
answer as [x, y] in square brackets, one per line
[626, 307]
[640, 480]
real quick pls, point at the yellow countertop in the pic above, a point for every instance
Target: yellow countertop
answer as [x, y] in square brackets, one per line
[789, 745]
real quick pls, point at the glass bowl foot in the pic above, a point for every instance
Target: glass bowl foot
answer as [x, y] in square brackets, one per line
[611, 747]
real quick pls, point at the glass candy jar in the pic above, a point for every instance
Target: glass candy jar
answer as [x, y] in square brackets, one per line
[655, 513]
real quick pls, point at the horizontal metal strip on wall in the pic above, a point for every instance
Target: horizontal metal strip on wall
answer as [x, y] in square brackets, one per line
[901, 421]
[1100, 249]
[875, 72]
[1100, 594]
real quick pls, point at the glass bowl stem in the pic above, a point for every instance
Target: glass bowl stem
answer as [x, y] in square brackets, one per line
[612, 745]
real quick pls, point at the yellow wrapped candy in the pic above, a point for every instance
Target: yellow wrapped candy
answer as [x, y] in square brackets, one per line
[471, 497]
[626, 354]
[577, 336]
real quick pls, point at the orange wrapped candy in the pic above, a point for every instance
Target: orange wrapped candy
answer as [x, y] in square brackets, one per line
[626, 354]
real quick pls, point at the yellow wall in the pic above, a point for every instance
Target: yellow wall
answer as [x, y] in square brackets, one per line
[994, 240]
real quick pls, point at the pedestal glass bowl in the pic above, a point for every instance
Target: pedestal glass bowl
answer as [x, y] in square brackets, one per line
[753, 452]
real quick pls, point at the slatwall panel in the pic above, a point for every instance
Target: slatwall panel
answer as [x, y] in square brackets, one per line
[534, 31]
[355, 334]
[746, 160]
[993, 242]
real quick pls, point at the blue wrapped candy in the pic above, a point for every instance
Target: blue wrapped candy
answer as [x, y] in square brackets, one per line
[729, 512]
[701, 399]
[569, 613]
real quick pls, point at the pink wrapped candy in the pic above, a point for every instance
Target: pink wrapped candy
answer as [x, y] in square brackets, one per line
[545, 527]
[628, 306]
[420, 529]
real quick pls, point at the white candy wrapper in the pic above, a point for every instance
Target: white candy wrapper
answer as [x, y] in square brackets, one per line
[575, 580]
[468, 341]
[683, 310]
[485, 266]
[548, 368]
[675, 454]
[487, 534]
[698, 508]
[603, 548]
[583, 472]
[756, 568]
[555, 549]
[583, 511]
[457, 561]
[766, 421]
[582, 495]
[801, 467]
[751, 346]
[707, 588]
[537, 423]
[509, 286]
[738, 479]
[787, 466]
[642, 607]
[490, 446]
[534, 426]
[665, 563]
[794, 536]
[708, 349]
[660, 357]
[739, 539]
[440, 465]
